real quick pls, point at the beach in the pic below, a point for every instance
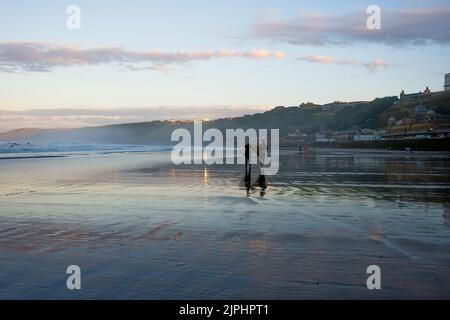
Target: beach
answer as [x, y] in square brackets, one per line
[140, 227]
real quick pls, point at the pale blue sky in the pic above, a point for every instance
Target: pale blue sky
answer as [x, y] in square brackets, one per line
[203, 26]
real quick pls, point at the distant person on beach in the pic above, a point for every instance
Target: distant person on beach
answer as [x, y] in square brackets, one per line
[262, 153]
[247, 157]
[248, 166]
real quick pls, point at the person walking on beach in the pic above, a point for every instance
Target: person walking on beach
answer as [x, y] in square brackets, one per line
[261, 153]
[248, 166]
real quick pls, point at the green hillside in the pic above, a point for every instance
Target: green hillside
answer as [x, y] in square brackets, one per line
[307, 118]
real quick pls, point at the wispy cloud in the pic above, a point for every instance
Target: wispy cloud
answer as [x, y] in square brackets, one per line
[45, 57]
[371, 66]
[375, 65]
[319, 58]
[399, 27]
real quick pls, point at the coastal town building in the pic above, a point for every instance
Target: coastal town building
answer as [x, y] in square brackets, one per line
[296, 138]
[321, 137]
[422, 123]
[406, 96]
[366, 137]
[420, 112]
[447, 82]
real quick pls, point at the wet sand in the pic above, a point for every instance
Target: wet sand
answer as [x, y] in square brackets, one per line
[142, 228]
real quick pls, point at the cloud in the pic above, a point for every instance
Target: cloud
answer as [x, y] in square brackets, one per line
[375, 65]
[317, 58]
[398, 27]
[76, 117]
[370, 66]
[44, 56]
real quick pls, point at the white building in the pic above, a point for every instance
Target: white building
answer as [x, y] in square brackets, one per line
[366, 137]
[447, 82]
[321, 138]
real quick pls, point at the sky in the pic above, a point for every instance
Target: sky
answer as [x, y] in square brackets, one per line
[142, 60]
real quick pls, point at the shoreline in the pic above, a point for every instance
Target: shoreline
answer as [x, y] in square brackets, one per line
[436, 144]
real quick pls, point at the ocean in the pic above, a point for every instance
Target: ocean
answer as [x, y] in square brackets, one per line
[140, 227]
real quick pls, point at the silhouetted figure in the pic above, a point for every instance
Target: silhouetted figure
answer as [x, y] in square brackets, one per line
[247, 156]
[262, 153]
[248, 168]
